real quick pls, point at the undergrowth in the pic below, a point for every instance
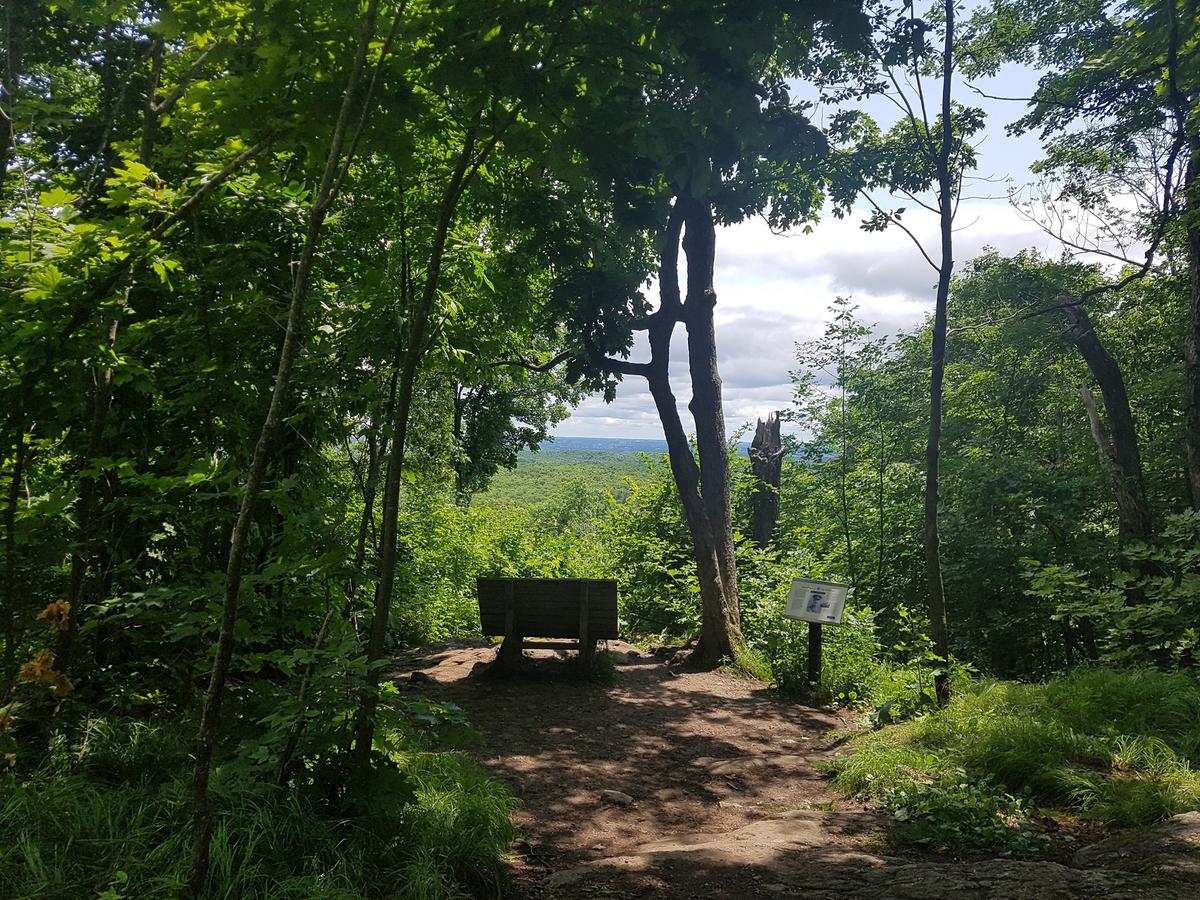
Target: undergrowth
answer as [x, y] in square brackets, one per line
[1113, 747]
[111, 820]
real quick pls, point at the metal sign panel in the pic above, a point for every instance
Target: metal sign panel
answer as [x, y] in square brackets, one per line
[816, 601]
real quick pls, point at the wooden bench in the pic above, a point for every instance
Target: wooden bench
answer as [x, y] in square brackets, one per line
[520, 608]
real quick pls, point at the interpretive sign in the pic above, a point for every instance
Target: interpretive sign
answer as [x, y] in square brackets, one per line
[816, 601]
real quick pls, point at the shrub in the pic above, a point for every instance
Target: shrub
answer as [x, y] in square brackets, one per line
[113, 820]
[959, 811]
[1116, 747]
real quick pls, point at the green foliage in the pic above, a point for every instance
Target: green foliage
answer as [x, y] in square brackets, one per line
[644, 544]
[957, 812]
[849, 660]
[538, 477]
[112, 816]
[751, 663]
[158, 166]
[1164, 576]
[647, 549]
[1115, 746]
[1021, 495]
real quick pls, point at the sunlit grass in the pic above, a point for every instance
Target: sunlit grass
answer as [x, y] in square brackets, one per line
[1115, 747]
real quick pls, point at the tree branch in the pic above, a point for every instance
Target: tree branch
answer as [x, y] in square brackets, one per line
[546, 366]
[612, 365]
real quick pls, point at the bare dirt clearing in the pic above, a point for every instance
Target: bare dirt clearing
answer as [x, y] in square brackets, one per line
[681, 784]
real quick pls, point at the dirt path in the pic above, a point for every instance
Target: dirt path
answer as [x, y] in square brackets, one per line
[682, 785]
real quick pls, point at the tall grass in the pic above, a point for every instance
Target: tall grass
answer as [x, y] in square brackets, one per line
[117, 821]
[1117, 747]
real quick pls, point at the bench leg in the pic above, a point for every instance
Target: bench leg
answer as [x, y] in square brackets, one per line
[587, 645]
[509, 654]
[587, 656]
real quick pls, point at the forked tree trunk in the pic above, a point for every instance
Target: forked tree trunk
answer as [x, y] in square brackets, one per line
[766, 462]
[703, 483]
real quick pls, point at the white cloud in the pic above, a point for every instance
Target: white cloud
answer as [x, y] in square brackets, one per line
[774, 291]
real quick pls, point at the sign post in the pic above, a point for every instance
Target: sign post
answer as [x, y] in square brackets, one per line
[817, 603]
[814, 653]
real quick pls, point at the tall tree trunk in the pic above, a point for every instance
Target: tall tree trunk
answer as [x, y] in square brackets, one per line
[721, 633]
[1118, 444]
[844, 470]
[1192, 347]
[414, 351]
[718, 640]
[766, 462]
[376, 453]
[881, 522]
[703, 485]
[938, 627]
[377, 443]
[206, 735]
[462, 461]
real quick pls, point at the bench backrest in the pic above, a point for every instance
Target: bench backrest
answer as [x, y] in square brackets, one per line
[547, 607]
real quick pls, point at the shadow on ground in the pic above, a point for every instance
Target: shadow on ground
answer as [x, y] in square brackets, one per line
[683, 784]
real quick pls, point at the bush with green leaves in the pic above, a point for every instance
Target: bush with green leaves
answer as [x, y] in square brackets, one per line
[1116, 747]
[644, 544]
[1162, 577]
[958, 811]
[110, 818]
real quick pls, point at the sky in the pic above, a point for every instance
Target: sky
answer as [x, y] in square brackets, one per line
[774, 291]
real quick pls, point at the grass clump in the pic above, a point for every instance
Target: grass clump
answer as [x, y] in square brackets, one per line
[1114, 747]
[750, 663]
[100, 829]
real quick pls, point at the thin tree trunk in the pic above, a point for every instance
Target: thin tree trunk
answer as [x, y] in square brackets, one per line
[462, 460]
[418, 332]
[938, 627]
[378, 448]
[206, 736]
[377, 452]
[844, 473]
[1192, 348]
[1118, 444]
[150, 111]
[880, 569]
